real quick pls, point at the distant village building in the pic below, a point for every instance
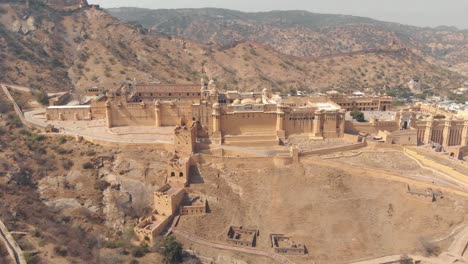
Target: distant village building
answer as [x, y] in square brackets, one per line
[359, 101]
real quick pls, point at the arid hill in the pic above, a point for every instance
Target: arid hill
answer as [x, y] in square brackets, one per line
[304, 34]
[49, 49]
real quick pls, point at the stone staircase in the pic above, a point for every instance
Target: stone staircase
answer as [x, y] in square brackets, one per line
[251, 140]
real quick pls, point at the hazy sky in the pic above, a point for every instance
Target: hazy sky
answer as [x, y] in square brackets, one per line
[413, 12]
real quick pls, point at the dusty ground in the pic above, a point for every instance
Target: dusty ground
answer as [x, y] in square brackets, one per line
[341, 217]
[396, 162]
[444, 159]
[305, 144]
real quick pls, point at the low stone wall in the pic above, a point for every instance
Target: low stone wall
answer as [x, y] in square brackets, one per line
[157, 145]
[334, 149]
[369, 127]
[68, 113]
[207, 158]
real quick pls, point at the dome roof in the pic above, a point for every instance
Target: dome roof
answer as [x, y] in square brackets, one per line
[236, 102]
[258, 101]
[248, 101]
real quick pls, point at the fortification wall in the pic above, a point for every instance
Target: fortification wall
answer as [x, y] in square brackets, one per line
[405, 137]
[12, 247]
[98, 109]
[68, 113]
[172, 115]
[253, 122]
[371, 128]
[132, 114]
[299, 123]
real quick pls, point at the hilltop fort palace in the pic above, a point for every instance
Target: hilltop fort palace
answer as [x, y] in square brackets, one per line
[218, 116]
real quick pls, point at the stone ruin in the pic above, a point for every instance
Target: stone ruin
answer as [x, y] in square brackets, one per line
[285, 245]
[193, 204]
[427, 194]
[178, 170]
[170, 200]
[238, 236]
[166, 204]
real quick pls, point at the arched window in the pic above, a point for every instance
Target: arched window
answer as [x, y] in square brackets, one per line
[181, 174]
[172, 174]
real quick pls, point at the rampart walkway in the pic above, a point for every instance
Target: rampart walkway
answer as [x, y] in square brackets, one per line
[10, 244]
[18, 110]
[276, 257]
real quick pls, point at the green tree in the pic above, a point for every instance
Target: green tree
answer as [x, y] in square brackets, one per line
[42, 97]
[172, 250]
[404, 259]
[292, 91]
[358, 116]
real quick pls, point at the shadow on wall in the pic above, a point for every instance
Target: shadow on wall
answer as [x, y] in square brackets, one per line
[195, 176]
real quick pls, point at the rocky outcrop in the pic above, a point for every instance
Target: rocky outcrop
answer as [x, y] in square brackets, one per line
[24, 26]
[66, 5]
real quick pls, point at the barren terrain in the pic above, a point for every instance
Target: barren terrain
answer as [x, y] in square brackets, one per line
[58, 51]
[340, 216]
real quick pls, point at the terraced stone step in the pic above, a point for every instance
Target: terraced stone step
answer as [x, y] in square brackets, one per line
[249, 137]
[251, 140]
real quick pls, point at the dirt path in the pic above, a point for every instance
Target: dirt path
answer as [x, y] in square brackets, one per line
[426, 182]
[276, 257]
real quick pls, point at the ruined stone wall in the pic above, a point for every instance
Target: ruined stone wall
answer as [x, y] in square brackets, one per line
[167, 203]
[148, 235]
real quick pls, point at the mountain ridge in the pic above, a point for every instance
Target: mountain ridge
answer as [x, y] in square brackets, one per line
[295, 32]
[73, 50]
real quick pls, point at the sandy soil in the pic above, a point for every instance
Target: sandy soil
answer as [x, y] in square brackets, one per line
[394, 161]
[339, 216]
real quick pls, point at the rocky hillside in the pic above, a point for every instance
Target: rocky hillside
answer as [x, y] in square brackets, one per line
[302, 33]
[53, 49]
